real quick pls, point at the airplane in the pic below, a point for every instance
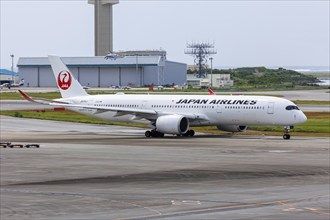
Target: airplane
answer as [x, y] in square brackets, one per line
[113, 56]
[9, 85]
[4, 85]
[174, 114]
[21, 83]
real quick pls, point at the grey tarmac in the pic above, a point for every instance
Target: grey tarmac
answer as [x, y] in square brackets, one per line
[84, 171]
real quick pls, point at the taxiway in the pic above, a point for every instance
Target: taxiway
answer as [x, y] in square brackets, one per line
[84, 171]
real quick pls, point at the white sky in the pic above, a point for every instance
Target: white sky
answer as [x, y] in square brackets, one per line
[246, 33]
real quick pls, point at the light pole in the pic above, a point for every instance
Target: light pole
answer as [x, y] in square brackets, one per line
[12, 62]
[137, 64]
[211, 58]
[12, 67]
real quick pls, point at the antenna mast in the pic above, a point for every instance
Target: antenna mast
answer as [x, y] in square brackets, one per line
[200, 51]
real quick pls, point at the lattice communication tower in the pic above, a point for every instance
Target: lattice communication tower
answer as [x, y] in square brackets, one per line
[200, 51]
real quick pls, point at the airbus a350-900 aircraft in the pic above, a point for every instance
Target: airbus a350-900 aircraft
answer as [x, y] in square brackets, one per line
[174, 114]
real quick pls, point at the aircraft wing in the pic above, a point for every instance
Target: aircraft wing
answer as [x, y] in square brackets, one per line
[104, 109]
[210, 91]
[138, 112]
[39, 100]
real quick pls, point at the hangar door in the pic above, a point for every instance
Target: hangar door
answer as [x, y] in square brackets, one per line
[109, 76]
[89, 76]
[30, 75]
[130, 76]
[46, 77]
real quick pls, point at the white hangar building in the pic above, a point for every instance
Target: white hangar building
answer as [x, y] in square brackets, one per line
[100, 72]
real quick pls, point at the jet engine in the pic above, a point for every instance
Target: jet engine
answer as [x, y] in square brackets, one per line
[232, 128]
[172, 124]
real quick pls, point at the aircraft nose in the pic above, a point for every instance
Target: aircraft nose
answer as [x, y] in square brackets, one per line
[301, 117]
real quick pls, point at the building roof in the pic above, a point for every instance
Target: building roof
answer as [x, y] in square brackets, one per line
[93, 61]
[142, 53]
[7, 72]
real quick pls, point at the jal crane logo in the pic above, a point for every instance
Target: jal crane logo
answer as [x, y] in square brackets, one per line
[64, 80]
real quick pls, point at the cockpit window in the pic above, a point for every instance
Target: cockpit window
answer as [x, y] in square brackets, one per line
[292, 107]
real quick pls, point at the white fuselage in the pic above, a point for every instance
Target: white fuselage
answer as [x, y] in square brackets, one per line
[219, 110]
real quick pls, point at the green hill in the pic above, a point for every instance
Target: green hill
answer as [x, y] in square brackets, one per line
[263, 77]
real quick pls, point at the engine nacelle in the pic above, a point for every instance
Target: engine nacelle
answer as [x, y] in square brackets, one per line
[232, 128]
[172, 124]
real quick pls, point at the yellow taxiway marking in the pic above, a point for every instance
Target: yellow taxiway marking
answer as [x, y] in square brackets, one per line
[292, 208]
[245, 205]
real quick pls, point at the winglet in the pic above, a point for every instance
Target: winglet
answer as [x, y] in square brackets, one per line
[41, 100]
[25, 96]
[210, 91]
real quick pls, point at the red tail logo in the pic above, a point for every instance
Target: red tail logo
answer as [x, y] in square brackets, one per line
[64, 80]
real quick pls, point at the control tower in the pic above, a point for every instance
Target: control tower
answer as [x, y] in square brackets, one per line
[103, 26]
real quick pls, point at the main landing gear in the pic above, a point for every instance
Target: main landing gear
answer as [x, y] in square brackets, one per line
[286, 135]
[154, 133]
[189, 133]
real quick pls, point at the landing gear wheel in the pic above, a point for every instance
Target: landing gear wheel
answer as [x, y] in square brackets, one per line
[286, 136]
[189, 133]
[153, 133]
[147, 134]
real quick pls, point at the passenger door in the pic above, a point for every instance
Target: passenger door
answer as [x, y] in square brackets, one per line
[144, 104]
[219, 108]
[270, 109]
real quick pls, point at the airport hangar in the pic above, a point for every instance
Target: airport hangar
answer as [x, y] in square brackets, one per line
[100, 72]
[7, 76]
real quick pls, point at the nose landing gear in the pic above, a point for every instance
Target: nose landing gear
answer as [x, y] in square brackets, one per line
[286, 135]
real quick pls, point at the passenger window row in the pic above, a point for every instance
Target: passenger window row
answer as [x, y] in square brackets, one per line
[113, 105]
[181, 106]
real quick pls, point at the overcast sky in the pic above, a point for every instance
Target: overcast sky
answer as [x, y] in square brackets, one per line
[245, 33]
